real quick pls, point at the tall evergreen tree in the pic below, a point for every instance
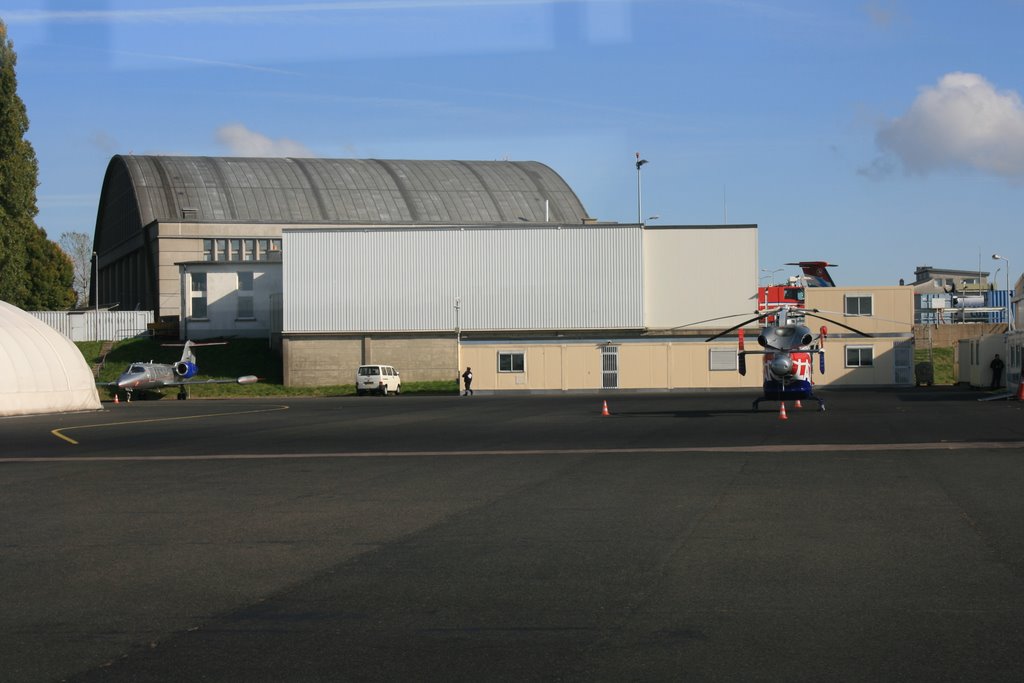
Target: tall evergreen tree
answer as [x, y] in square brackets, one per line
[34, 272]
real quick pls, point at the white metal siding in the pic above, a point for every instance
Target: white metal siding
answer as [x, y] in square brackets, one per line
[88, 325]
[399, 279]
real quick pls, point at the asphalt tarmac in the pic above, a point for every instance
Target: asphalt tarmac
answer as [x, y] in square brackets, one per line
[682, 537]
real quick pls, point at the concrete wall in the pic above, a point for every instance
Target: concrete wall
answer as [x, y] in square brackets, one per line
[332, 360]
[178, 242]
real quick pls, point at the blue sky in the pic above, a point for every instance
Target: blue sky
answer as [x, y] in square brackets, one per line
[880, 135]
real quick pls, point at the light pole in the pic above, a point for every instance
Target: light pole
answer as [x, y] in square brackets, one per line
[1009, 313]
[458, 341]
[639, 194]
[770, 275]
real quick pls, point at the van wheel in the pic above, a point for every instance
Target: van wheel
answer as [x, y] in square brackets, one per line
[398, 390]
[383, 389]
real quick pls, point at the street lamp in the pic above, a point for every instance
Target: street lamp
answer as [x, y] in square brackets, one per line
[1009, 316]
[458, 340]
[770, 274]
[639, 194]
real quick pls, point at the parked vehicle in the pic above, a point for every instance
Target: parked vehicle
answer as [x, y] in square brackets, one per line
[378, 379]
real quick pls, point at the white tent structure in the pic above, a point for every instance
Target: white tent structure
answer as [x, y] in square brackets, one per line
[41, 370]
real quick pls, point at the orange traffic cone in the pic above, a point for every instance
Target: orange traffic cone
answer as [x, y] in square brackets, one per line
[782, 411]
[798, 404]
[116, 399]
[604, 409]
[1020, 390]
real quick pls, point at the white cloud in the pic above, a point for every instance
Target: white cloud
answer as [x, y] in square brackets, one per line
[963, 122]
[248, 143]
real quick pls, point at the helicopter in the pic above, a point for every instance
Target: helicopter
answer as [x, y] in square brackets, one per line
[151, 377]
[788, 346]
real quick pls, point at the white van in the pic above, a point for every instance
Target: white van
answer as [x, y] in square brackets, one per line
[378, 379]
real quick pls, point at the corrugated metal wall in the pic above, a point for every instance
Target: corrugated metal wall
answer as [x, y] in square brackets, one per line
[504, 278]
[93, 326]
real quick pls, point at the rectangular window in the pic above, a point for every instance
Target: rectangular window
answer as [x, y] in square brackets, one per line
[275, 250]
[207, 250]
[245, 308]
[860, 356]
[248, 250]
[722, 359]
[262, 247]
[245, 304]
[511, 361]
[857, 305]
[221, 253]
[198, 295]
[236, 250]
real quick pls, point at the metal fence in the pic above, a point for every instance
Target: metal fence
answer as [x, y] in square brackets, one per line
[96, 326]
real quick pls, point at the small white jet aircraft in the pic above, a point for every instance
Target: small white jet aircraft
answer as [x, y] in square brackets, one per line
[152, 376]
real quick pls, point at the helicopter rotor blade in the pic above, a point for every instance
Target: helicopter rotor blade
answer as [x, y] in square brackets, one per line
[745, 322]
[813, 313]
[709, 320]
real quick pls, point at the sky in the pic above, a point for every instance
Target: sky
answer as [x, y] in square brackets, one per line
[879, 135]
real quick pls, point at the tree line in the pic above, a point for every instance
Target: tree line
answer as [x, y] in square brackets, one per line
[35, 273]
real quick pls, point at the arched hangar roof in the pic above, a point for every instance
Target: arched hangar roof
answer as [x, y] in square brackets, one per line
[138, 190]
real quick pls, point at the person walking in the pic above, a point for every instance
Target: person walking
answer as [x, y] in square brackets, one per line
[997, 366]
[467, 381]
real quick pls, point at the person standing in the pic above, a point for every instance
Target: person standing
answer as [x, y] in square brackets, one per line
[467, 381]
[997, 366]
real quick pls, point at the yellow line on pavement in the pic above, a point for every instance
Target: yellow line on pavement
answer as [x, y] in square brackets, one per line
[59, 433]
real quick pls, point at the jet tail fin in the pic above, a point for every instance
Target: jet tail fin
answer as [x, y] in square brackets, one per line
[186, 353]
[816, 273]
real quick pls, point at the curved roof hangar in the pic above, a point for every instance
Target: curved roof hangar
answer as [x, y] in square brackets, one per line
[138, 190]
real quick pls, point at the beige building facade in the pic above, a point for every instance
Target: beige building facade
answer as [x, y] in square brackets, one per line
[650, 362]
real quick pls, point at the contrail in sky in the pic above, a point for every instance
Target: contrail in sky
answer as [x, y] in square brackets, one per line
[234, 12]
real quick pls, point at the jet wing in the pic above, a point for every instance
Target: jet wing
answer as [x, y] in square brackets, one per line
[244, 379]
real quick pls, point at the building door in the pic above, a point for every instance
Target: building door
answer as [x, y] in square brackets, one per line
[903, 362]
[610, 367]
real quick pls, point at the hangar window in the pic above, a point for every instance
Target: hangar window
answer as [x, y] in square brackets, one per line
[722, 359]
[860, 356]
[198, 295]
[857, 305]
[245, 304]
[207, 250]
[511, 361]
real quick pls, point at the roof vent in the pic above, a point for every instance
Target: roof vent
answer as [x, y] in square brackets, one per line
[188, 213]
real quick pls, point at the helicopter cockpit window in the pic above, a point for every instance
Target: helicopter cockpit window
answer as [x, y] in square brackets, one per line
[794, 293]
[136, 368]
